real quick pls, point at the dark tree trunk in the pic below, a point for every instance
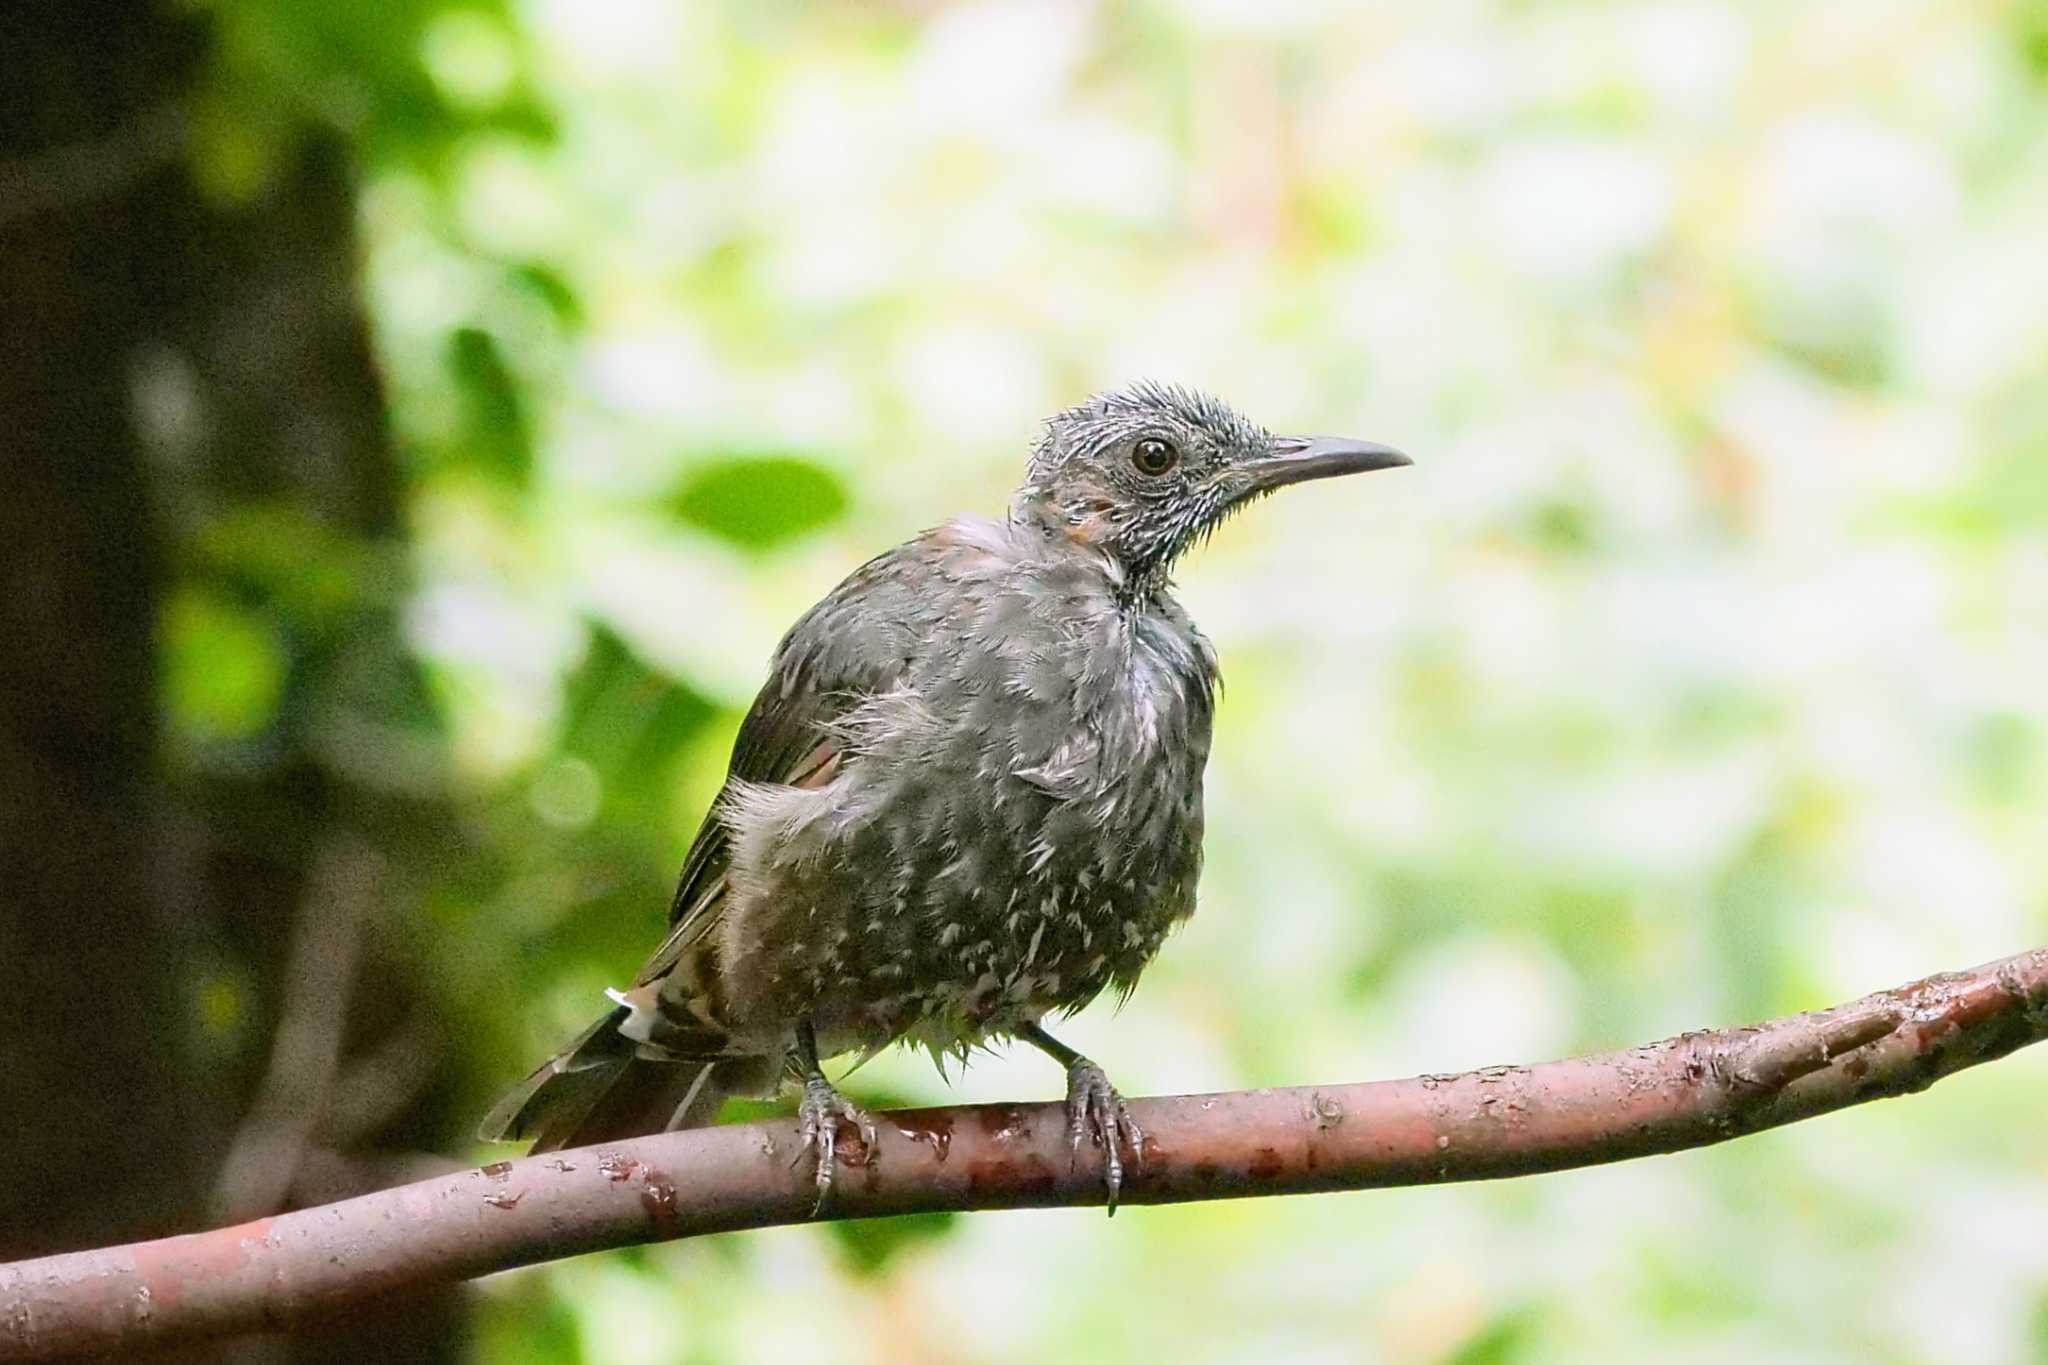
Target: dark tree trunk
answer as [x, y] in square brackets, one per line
[167, 364]
[98, 1108]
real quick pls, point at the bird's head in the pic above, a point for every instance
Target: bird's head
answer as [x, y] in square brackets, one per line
[1143, 472]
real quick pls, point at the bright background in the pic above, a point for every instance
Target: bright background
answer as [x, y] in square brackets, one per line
[1694, 675]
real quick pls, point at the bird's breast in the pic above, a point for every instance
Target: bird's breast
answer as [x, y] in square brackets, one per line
[1128, 707]
[1016, 825]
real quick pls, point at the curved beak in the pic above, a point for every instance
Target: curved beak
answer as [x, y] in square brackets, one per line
[1296, 459]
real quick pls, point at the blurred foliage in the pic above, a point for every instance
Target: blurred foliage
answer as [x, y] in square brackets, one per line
[223, 669]
[1693, 675]
[760, 501]
[494, 437]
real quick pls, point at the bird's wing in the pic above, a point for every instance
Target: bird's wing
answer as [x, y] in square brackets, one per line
[856, 642]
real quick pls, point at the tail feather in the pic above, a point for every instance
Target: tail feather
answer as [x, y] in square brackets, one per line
[602, 1088]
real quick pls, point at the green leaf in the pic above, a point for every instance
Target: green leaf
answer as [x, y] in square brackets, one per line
[2030, 36]
[314, 575]
[1509, 1337]
[223, 665]
[871, 1244]
[497, 437]
[760, 501]
[630, 725]
[1564, 525]
[552, 289]
[535, 1328]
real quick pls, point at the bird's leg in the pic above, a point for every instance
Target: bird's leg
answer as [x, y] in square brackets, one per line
[819, 1112]
[1092, 1103]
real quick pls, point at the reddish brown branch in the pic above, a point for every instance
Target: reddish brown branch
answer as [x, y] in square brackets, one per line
[1689, 1091]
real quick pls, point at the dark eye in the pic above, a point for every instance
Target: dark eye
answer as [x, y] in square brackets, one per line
[1154, 456]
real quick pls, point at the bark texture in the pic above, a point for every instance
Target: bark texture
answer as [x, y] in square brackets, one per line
[1689, 1091]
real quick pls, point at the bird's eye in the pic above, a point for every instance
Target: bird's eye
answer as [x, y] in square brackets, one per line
[1154, 456]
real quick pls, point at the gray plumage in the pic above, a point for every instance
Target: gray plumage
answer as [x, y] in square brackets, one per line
[968, 796]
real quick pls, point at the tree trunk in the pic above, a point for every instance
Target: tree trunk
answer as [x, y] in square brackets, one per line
[96, 1035]
[196, 938]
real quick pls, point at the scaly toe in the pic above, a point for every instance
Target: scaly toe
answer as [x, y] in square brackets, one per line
[818, 1117]
[1093, 1103]
[871, 1141]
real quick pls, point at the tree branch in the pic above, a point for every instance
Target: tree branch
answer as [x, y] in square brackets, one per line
[1688, 1091]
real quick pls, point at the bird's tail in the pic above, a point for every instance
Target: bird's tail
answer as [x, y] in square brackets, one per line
[601, 1088]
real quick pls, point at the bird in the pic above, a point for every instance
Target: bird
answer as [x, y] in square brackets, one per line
[967, 799]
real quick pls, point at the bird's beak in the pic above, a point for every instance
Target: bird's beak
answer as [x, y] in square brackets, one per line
[1296, 459]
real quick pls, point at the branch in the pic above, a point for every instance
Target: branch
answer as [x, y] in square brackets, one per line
[305, 1052]
[61, 177]
[1688, 1091]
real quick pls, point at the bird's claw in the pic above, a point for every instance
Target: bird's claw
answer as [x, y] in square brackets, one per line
[1093, 1104]
[818, 1116]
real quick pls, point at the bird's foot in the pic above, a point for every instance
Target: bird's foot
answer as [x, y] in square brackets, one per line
[818, 1115]
[1093, 1104]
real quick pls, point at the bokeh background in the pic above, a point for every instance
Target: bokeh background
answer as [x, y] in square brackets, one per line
[423, 419]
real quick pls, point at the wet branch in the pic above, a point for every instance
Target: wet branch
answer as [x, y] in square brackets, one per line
[1688, 1091]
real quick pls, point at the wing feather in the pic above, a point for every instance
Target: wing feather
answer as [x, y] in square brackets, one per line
[859, 641]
